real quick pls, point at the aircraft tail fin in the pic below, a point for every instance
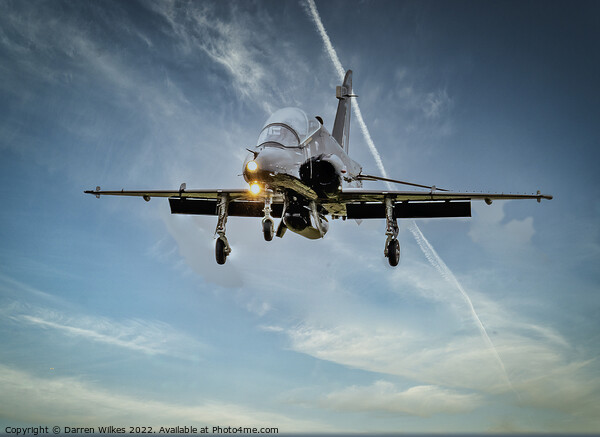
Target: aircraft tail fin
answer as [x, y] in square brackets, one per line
[341, 126]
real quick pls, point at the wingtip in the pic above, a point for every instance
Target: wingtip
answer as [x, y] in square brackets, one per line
[94, 192]
[543, 196]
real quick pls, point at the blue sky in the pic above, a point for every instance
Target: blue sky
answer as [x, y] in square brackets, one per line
[115, 312]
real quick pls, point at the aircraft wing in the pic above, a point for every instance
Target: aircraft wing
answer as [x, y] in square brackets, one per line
[360, 195]
[235, 193]
[357, 203]
[351, 203]
[242, 203]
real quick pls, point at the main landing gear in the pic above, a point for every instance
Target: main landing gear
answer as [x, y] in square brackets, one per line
[392, 245]
[222, 248]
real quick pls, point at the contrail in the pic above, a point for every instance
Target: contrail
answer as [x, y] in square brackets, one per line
[341, 72]
[432, 256]
[437, 262]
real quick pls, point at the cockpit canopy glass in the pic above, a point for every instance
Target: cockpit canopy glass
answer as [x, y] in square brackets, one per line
[288, 127]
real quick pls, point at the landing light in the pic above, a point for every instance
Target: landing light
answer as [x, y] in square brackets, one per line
[252, 166]
[254, 188]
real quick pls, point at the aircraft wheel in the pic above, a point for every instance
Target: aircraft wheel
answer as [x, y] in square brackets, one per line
[220, 251]
[394, 252]
[268, 229]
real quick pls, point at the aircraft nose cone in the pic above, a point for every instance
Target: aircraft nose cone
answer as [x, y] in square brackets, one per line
[270, 161]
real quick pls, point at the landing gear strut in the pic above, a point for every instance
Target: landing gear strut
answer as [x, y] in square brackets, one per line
[392, 245]
[268, 224]
[222, 248]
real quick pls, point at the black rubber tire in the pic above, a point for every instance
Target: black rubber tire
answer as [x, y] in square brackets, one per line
[268, 229]
[393, 252]
[220, 251]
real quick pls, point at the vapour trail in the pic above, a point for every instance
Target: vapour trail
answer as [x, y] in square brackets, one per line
[432, 256]
[437, 262]
[341, 72]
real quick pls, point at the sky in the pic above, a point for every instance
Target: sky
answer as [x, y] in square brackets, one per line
[114, 312]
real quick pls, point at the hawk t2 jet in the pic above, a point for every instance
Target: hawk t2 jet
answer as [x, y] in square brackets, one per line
[301, 174]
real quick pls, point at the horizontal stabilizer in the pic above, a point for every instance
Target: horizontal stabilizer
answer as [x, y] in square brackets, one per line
[366, 177]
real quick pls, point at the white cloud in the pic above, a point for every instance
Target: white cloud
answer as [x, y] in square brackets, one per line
[241, 43]
[151, 337]
[488, 230]
[68, 55]
[15, 288]
[423, 400]
[391, 350]
[436, 103]
[572, 388]
[544, 370]
[421, 112]
[29, 398]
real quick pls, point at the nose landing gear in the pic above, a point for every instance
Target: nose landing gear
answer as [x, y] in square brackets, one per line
[268, 228]
[268, 224]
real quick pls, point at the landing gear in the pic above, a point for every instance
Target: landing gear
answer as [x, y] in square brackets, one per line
[268, 224]
[281, 229]
[220, 251]
[392, 245]
[393, 252]
[268, 228]
[222, 248]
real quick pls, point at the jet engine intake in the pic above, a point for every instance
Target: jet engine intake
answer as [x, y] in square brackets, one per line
[322, 173]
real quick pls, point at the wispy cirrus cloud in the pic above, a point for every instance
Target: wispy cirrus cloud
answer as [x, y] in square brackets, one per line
[88, 404]
[70, 56]
[385, 396]
[150, 337]
[240, 42]
[30, 306]
[436, 103]
[543, 376]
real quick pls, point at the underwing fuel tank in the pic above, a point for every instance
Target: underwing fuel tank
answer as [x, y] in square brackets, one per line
[304, 219]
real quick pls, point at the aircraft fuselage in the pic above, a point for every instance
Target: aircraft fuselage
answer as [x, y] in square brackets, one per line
[307, 166]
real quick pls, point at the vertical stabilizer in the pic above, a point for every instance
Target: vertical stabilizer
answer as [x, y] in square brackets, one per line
[341, 126]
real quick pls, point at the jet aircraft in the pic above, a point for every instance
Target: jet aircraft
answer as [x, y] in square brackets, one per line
[300, 173]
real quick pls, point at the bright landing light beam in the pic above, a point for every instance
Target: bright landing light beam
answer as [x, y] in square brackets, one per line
[254, 188]
[252, 166]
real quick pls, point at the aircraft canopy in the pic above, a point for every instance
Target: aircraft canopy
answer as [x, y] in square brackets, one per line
[288, 127]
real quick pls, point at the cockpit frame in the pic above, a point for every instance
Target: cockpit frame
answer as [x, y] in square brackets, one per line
[283, 139]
